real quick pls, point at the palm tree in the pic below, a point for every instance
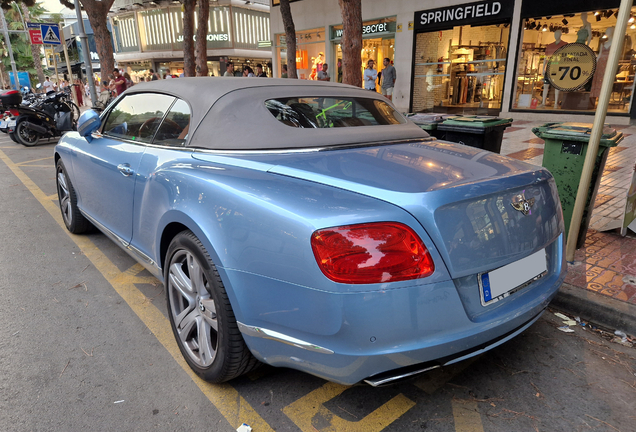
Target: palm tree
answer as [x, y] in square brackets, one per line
[32, 14]
[26, 56]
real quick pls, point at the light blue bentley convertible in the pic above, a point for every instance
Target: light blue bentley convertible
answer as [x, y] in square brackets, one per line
[311, 226]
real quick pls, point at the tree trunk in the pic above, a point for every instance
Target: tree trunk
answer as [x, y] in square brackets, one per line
[290, 38]
[4, 76]
[188, 42]
[201, 44]
[97, 15]
[351, 42]
[35, 49]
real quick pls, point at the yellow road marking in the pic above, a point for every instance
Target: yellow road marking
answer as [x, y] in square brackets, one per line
[37, 166]
[36, 160]
[225, 398]
[466, 415]
[310, 408]
[52, 196]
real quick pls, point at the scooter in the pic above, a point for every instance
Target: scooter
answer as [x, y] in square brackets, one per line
[52, 118]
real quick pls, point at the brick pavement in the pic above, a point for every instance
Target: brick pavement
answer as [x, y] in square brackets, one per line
[607, 262]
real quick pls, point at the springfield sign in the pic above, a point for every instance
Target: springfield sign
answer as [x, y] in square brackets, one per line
[466, 14]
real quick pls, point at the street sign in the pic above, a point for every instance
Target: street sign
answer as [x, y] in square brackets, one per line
[571, 67]
[35, 33]
[51, 34]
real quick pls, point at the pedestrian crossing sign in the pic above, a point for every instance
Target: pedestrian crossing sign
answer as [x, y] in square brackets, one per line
[51, 34]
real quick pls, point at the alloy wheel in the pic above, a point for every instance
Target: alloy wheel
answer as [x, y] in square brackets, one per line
[192, 307]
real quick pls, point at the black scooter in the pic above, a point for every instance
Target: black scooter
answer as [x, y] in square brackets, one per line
[51, 118]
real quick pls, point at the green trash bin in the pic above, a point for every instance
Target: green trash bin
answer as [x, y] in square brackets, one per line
[484, 132]
[564, 155]
[430, 122]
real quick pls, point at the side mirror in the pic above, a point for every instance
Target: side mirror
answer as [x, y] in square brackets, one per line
[88, 123]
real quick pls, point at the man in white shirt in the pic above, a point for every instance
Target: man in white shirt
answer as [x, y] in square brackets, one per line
[322, 74]
[48, 85]
[370, 75]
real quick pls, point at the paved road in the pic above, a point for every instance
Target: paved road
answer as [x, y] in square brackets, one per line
[85, 345]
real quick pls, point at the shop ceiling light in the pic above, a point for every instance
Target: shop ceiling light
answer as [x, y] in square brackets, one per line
[632, 27]
[631, 19]
[545, 27]
[564, 21]
[597, 13]
[598, 17]
[609, 13]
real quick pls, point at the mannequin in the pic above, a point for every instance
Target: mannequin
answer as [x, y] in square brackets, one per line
[601, 64]
[584, 35]
[549, 50]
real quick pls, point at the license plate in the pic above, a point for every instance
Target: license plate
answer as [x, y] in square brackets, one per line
[3, 124]
[11, 123]
[500, 283]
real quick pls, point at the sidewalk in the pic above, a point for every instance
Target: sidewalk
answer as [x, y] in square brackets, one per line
[601, 282]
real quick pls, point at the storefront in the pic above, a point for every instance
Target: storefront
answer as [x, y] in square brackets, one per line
[153, 38]
[547, 34]
[378, 43]
[310, 52]
[460, 57]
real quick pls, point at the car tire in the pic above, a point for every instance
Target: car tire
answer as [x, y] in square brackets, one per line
[200, 313]
[25, 136]
[13, 138]
[73, 219]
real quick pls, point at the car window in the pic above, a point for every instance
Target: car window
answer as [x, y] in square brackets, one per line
[329, 112]
[174, 129]
[137, 116]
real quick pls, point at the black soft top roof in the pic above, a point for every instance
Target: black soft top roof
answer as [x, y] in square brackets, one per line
[230, 113]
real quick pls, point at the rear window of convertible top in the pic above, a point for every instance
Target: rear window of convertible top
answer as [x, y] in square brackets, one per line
[330, 112]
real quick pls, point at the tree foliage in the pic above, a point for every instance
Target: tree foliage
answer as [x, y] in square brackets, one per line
[26, 57]
[97, 12]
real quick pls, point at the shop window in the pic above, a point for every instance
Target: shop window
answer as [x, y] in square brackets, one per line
[461, 70]
[544, 84]
[310, 52]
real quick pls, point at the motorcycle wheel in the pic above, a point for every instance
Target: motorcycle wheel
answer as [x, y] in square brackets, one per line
[26, 136]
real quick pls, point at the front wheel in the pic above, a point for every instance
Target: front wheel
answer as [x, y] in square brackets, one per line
[27, 137]
[201, 315]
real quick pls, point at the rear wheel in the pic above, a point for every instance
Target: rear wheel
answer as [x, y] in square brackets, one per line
[201, 315]
[13, 138]
[27, 137]
[74, 220]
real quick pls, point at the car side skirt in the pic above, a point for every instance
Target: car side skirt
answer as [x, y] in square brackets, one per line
[143, 259]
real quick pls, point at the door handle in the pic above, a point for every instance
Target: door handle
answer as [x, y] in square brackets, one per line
[125, 170]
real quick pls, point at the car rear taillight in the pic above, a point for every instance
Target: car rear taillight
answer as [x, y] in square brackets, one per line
[14, 112]
[371, 253]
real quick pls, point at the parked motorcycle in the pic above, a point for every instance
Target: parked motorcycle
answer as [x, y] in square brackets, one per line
[49, 118]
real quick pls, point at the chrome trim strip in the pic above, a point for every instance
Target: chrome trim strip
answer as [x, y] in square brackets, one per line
[279, 337]
[380, 382]
[309, 150]
[135, 253]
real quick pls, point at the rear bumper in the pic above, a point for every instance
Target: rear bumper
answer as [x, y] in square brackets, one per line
[347, 338]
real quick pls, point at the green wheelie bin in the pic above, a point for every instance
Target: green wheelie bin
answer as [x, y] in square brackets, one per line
[565, 149]
[484, 132]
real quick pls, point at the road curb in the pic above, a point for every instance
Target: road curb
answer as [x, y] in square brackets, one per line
[596, 308]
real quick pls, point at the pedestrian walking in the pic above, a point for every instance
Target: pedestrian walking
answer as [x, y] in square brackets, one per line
[388, 79]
